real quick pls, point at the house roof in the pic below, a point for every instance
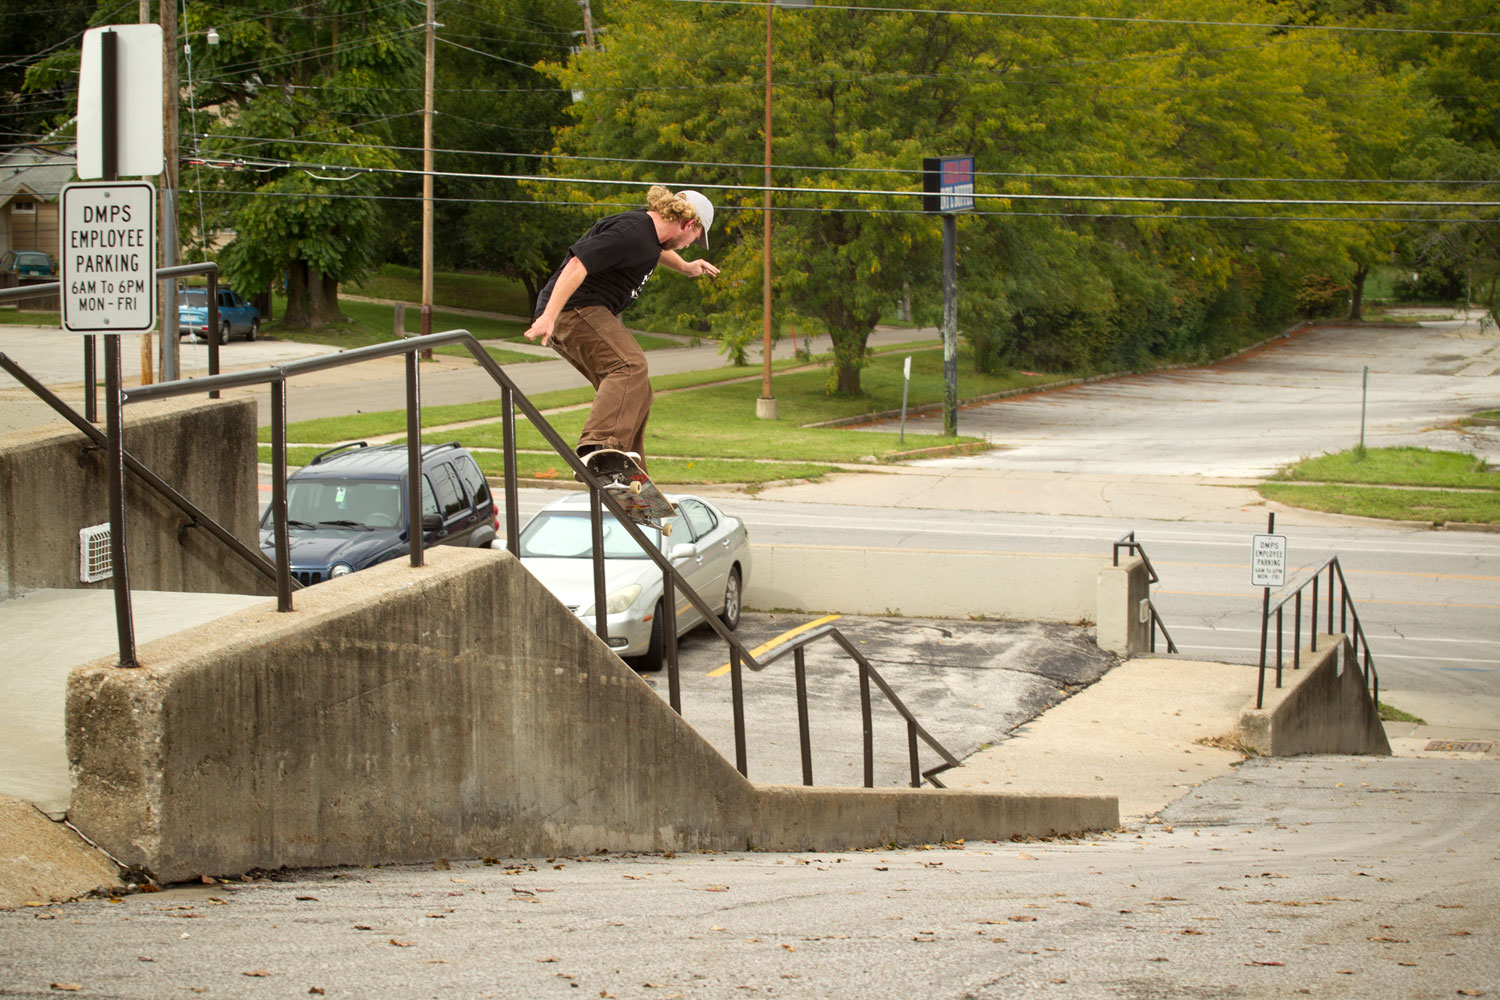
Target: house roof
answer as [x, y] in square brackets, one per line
[36, 170]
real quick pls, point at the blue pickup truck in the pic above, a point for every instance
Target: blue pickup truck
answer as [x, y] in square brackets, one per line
[236, 316]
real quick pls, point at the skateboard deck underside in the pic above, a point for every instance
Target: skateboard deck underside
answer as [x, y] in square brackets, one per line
[632, 488]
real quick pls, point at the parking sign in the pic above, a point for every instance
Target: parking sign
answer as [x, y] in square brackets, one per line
[1268, 561]
[109, 257]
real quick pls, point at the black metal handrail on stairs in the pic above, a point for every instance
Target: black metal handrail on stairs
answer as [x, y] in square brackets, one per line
[1360, 645]
[1128, 542]
[601, 499]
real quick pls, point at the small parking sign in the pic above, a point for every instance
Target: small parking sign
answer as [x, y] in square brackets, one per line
[1268, 561]
[108, 257]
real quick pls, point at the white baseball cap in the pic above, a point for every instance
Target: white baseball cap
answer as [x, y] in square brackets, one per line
[705, 210]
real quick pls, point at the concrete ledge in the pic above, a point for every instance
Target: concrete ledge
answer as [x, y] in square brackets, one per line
[455, 710]
[794, 818]
[924, 582]
[1122, 589]
[1322, 708]
[53, 483]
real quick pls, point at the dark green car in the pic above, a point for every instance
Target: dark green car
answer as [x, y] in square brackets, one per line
[27, 264]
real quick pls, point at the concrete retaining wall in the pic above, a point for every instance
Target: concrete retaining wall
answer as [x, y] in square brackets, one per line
[924, 582]
[455, 710]
[53, 483]
[1324, 707]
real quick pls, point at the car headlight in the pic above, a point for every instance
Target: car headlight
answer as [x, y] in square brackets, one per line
[340, 569]
[618, 601]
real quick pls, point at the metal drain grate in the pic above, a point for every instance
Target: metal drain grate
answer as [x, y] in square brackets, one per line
[1460, 746]
[94, 562]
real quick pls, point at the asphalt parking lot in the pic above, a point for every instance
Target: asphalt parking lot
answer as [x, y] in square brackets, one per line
[969, 683]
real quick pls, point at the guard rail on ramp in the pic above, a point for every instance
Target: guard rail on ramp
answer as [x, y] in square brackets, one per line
[449, 710]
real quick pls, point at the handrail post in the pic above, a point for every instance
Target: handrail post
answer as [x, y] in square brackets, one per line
[213, 327]
[869, 729]
[416, 529]
[1297, 632]
[1313, 631]
[669, 640]
[596, 524]
[911, 750]
[799, 660]
[512, 494]
[737, 690]
[1280, 655]
[1330, 596]
[278, 496]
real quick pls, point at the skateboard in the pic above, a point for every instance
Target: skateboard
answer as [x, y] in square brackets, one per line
[631, 488]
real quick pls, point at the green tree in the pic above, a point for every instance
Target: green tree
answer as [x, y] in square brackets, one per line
[495, 116]
[29, 30]
[293, 106]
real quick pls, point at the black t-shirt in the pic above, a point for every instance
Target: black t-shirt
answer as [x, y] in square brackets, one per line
[620, 252]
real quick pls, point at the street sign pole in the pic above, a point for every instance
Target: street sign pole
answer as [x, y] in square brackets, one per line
[950, 325]
[113, 423]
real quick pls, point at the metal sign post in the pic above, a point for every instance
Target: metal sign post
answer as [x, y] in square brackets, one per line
[905, 388]
[1267, 570]
[948, 182]
[109, 241]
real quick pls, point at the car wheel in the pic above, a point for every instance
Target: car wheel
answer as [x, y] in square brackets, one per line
[651, 660]
[224, 332]
[731, 613]
[254, 330]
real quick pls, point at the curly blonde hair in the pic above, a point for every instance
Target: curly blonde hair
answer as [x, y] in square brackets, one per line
[669, 206]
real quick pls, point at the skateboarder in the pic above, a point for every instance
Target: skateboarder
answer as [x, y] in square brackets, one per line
[578, 312]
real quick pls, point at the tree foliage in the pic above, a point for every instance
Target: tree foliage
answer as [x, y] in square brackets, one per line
[1059, 112]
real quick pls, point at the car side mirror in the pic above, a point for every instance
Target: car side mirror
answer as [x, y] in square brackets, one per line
[685, 550]
[432, 522]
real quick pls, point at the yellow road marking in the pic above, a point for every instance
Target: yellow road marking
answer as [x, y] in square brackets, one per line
[773, 643]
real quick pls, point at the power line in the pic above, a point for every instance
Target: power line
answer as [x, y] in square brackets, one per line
[911, 172]
[1362, 220]
[1183, 22]
[864, 192]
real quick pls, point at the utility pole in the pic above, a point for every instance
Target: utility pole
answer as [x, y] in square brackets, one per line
[588, 24]
[765, 406]
[147, 377]
[170, 356]
[427, 112]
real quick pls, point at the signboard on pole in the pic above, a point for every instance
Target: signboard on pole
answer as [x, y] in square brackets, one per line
[138, 82]
[108, 257]
[1268, 561]
[949, 184]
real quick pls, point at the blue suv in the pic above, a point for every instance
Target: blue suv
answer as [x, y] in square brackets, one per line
[347, 509]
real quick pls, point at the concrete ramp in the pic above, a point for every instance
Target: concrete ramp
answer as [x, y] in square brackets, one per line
[48, 633]
[454, 710]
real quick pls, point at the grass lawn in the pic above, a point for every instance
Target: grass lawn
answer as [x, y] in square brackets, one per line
[709, 432]
[1454, 486]
[486, 292]
[27, 317]
[1394, 467]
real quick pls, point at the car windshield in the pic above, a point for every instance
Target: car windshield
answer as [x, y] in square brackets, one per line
[344, 503]
[193, 298]
[556, 535]
[32, 258]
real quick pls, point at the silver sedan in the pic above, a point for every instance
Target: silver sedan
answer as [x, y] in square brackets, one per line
[709, 548]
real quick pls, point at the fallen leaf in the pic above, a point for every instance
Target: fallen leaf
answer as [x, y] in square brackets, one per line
[1189, 930]
[1266, 963]
[1388, 940]
[400, 944]
[308, 899]
[315, 990]
[549, 958]
[68, 987]
[441, 864]
[789, 947]
[363, 927]
[256, 973]
[1471, 993]
[1022, 920]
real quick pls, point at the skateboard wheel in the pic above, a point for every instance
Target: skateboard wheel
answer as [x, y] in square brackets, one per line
[666, 530]
[635, 488]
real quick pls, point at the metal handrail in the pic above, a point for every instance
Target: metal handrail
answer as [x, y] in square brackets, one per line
[600, 500]
[1127, 541]
[867, 672]
[196, 517]
[1360, 643]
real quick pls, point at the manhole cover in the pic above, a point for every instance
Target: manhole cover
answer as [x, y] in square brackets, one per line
[1459, 746]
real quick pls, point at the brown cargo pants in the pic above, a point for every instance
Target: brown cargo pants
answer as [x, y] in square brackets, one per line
[595, 342]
